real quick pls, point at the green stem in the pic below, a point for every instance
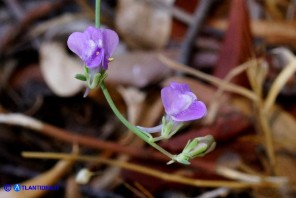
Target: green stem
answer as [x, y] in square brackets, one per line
[98, 9]
[131, 127]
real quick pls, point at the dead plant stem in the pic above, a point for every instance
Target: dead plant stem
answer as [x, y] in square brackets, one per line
[263, 119]
[278, 84]
[148, 171]
[215, 103]
[256, 78]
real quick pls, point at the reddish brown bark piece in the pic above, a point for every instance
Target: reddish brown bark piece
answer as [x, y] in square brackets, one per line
[226, 127]
[237, 45]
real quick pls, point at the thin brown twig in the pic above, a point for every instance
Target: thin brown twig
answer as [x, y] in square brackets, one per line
[151, 172]
[265, 108]
[18, 119]
[265, 127]
[133, 189]
[256, 78]
[144, 190]
[199, 17]
[90, 142]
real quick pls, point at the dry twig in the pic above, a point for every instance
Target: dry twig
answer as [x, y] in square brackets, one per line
[156, 173]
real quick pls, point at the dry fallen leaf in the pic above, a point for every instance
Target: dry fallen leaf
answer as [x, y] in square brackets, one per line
[237, 46]
[283, 127]
[143, 24]
[137, 69]
[59, 69]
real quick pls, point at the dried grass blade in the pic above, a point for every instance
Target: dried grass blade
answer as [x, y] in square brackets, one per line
[278, 84]
[215, 81]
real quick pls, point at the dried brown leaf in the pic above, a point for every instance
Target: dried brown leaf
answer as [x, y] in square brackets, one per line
[283, 127]
[237, 45]
[59, 69]
[137, 69]
[142, 24]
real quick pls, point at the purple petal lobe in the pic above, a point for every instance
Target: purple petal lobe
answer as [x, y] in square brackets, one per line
[95, 59]
[182, 87]
[94, 34]
[77, 43]
[196, 111]
[174, 101]
[110, 41]
[181, 104]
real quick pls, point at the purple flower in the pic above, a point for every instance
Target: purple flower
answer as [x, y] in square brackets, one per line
[94, 46]
[181, 104]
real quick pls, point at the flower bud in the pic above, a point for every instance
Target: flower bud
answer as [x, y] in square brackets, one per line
[197, 147]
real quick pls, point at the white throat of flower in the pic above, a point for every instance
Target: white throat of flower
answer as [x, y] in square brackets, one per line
[100, 43]
[91, 49]
[186, 100]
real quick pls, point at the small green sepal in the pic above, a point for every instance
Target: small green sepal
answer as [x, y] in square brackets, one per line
[80, 77]
[169, 128]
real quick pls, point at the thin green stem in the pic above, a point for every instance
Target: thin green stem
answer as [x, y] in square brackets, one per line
[158, 138]
[131, 127]
[98, 10]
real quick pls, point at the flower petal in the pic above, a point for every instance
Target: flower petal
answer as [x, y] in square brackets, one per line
[168, 97]
[94, 34]
[195, 111]
[175, 102]
[95, 59]
[176, 98]
[182, 87]
[110, 41]
[77, 43]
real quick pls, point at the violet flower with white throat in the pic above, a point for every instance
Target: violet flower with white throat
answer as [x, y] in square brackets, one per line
[181, 105]
[95, 47]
